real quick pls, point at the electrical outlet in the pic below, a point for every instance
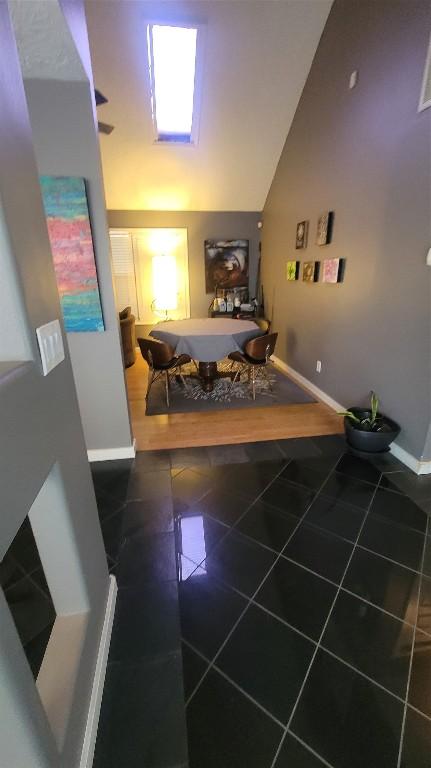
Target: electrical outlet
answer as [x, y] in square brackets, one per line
[318, 366]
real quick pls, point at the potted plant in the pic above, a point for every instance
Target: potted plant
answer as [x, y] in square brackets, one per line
[368, 430]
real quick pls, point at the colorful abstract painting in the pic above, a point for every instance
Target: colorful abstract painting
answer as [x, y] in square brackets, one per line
[69, 229]
[332, 269]
[292, 270]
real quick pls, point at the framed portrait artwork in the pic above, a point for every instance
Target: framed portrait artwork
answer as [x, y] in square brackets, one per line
[301, 234]
[226, 264]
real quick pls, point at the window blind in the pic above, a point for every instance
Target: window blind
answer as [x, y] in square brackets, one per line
[123, 270]
[133, 252]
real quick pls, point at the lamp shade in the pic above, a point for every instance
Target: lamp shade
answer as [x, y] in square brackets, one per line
[165, 287]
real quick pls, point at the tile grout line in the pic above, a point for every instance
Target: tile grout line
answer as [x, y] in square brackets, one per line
[258, 498]
[315, 494]
[362, 674]
[400, 526]
[248, 696]
[279, 448]
[115, 512]
[195, 689]
[250, 599]
[309, 749]
[418, 712]
[323, 632]
[235, 685]
[254, 602]
[314, 573]
[378, 607]
[231, 528]
[331, 653]
[389, 559]
[280, 551]
[309, 639]
[195, 650]
[403, 722]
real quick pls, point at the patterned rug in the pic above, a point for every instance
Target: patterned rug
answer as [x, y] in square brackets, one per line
[192, 397]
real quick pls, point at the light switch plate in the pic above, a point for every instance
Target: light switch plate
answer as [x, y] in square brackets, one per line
[50, 345]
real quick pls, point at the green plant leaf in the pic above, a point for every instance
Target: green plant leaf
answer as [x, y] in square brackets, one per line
[374, 406]
[349, 415]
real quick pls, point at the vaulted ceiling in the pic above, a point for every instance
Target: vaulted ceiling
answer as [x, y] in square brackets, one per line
[256, 61]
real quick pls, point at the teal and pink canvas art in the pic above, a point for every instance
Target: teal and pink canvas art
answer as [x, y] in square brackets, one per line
[69, 229]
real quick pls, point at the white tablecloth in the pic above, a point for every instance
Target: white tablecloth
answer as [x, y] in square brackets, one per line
[206, 339]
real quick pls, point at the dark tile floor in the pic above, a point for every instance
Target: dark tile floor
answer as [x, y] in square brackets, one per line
[27, 594]
[302, 574]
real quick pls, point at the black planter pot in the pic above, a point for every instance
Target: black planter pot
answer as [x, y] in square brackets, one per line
[370, 442]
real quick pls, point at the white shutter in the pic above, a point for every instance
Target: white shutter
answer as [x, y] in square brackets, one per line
[123, 269]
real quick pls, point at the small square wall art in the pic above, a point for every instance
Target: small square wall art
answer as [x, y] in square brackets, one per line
[301, 234]
[292, 270]
[310, 271]
[325, 225]
[332, 270]
[69, 230]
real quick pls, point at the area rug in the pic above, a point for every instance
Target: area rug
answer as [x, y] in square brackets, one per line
[192, 398]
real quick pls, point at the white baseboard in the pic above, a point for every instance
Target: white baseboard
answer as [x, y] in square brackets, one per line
[89, 744]
[407, 459]
[320, 394]
[109, 454]
[417, 466]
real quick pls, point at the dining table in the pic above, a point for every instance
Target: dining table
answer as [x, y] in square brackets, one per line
[207, 340]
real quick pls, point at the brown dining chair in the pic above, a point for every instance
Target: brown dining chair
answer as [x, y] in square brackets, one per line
[255, 356]
[161, 359]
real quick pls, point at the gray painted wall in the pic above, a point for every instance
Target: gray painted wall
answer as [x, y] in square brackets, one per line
[201, 226]
[66, 143]
[366, 155]
[14, 343]
[40, 428]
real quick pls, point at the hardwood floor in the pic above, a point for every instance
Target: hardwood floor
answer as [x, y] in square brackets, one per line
[182, 430]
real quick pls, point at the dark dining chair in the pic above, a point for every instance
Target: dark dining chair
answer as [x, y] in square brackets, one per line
[162, 360]
[254, 356]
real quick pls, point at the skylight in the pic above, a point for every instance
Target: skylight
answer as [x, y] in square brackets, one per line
[172, 61]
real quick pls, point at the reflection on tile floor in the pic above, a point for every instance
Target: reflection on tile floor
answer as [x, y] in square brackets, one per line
[291, 587]
[23, 580]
